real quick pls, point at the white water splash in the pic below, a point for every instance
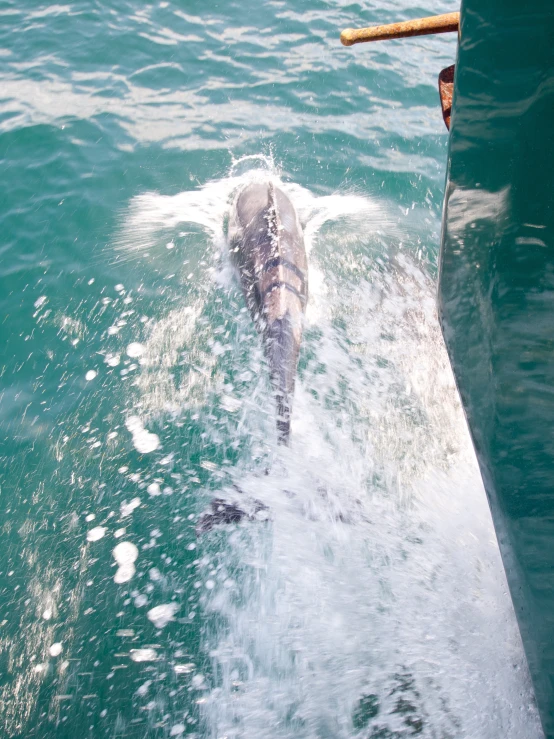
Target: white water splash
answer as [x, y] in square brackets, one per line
[379, 581]
[373, 603]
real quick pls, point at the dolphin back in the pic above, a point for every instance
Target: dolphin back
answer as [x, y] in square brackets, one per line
[267, 246]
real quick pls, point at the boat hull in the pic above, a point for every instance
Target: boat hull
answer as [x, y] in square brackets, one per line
[496, 294]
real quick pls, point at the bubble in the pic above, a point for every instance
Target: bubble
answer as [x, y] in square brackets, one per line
[162, 615]
[184, 669]
[124, 573]
[96, 533]
[143, 689]
[144, 655]
[127, 508]
[56, 649]
[154, 489]
[125, 553]
[135, 349]
[91, 374]
[144, 441]
[112, 360]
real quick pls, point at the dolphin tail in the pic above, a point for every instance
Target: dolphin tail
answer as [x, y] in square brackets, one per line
[282, 348]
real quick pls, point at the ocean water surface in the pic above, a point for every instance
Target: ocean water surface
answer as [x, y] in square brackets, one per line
[371, 604]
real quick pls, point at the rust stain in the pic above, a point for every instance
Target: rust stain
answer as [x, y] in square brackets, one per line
[446, 90]
[445, 23]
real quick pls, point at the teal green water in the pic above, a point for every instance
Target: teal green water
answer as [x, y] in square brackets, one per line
[133, 389]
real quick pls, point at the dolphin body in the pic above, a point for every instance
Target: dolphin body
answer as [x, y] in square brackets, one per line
[267, 247]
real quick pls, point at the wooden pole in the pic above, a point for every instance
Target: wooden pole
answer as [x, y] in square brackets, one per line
[420, 27]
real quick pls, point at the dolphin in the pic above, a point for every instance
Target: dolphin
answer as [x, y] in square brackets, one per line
[266, 244]
[267, 247]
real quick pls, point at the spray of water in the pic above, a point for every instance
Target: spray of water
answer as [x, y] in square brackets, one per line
[372, 602]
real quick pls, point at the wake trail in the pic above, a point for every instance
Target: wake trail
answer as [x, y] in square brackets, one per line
[372, 603]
